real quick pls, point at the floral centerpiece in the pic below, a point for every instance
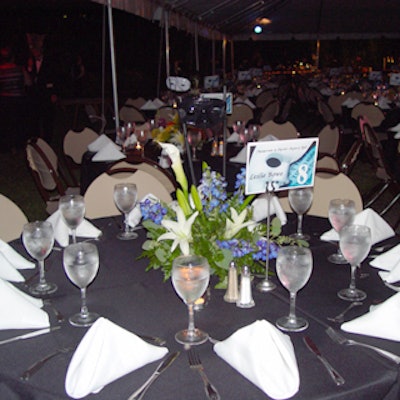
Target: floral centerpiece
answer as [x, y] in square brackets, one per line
[169, 132]
[207, 221]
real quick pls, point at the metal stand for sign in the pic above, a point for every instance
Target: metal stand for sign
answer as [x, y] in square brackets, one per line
[266, 285]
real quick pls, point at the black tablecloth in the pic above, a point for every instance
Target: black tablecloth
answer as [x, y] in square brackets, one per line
[142, 303]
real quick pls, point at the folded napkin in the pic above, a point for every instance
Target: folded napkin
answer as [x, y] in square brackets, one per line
[350, 102]
[260, 208]
[384, 103]
[106, 353]
[265, 356]
[110, 152]
[380, 229]
[100, 143]
[383, 321]
[20, 311]
[240, 157]
[10, 262]
[62, 232]
[233, 138]
[135, 215]
[390, 263]
[158, 103]
[397, 135]
[149, 105]
[395, 128]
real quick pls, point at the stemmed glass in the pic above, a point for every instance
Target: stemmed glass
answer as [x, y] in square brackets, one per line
[142, 137]
[355, 244]
[245, 136]
[341, 213]
[238, 127]
[125, 197]
[194, 139]
[254, 132]
[190, 278]
[300, 200]
[293, 266]
[81, 264]
[72, 208]
[38, 239]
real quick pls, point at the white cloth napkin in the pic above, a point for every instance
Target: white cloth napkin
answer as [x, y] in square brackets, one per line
[350, 102]
[240, 157]
[110, 152]
[106, 353]
[390, 263]
[395, 128]
[62, 232]
[10, 262]
[149, 105]
[158, 103]
[233, 138]
[380, 229]
[265, 356]
[383, 321]
[260, 207]
[100, 143]
[19, 310]
[384, 103]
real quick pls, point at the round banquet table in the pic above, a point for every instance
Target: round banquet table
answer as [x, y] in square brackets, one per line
[143, 303]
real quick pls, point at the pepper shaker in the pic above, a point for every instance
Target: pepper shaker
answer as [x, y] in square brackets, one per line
[232, 291]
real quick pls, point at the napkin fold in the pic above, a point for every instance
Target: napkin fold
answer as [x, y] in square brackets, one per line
[350, 102]
[109, 153]
[100, 143]
[106, 353]
[233, 138]
[62, 232]
[240, 157]
[380, 229]
[20, 311]
[395, 128]
[265, 356]
[10, 262]
[383, 321]
[260, 208]
[389, 262]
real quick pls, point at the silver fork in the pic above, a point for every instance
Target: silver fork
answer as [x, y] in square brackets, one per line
[339, 338]
[39, 364]
[340, 317]
[195, 364]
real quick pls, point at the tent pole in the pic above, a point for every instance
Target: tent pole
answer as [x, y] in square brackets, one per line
[213, 55]
[224, 58]
[196, 46]
[113, 69]
[232, 59]
[160, 57]
[166, 19]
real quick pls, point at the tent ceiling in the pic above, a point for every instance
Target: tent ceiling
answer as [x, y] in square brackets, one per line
[325, 19]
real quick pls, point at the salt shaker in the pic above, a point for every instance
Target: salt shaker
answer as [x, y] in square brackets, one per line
[245, 297]
[232, 291]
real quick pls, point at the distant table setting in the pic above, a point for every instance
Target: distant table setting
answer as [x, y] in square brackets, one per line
[246, 355]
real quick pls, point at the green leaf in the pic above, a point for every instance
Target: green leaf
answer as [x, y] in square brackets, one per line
[196, 198]
[183, 202]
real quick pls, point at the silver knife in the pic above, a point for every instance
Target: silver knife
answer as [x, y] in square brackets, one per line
[159, 370]
[30, 334]
[337, 378]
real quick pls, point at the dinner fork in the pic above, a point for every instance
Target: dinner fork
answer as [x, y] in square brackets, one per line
[339, 338]
[195, 364]
[340, 317]
[39, 364]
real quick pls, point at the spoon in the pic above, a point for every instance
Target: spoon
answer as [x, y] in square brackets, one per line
[340, 317]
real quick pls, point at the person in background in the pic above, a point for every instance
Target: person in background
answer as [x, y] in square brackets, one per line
[14, 81]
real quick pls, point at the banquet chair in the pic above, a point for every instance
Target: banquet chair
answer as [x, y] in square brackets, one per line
[328, 186]
[326, 112]
[129, 113]
[328, 164]
[240, 112]
[351, 156]
[99, 195]
[281, 131]
[335, 102]
[75, 144]
[264, 98]
[270, 112]
[12, 219]
[329, 138]
[48, 176]
[136, 102]
[373, 113]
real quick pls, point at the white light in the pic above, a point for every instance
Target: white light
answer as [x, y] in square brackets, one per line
[257, 29]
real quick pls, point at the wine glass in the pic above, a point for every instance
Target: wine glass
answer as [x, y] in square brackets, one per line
[300, 200]
[125, 197]
[341, 213]
[254, 132]
[142, 137]
[238, 128]
[244, 136]
[81, 264]
[38, 239]
[194, 139]
[72, 208]
[293, 266]
[355, 244]
[190, 278]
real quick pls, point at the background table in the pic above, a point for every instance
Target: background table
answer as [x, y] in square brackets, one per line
[142, 303]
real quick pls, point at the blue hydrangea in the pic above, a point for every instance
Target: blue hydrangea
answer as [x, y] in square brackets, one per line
[260, 254]
[212, 191]
[153, 211]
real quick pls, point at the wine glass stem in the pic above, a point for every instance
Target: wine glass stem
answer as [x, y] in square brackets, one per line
[126, 223]
[300, 224]
[191, 319]
[84, 309]
[353, 277]
[42, 280]
[73, 231]
[292, 308]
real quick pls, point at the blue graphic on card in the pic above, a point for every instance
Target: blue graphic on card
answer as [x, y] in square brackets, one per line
[301, 172]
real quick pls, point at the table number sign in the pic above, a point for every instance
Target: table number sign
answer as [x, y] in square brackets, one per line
[280, 165]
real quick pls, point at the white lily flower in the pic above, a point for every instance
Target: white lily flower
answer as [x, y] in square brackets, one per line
[179, 231]
[173, 153]
[236, 223]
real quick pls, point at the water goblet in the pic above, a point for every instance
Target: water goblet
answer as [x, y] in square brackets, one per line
[194, 139]
[125, 197]
[244, 136]
[190, 278]
[81, 264]
[300, 201]
[254, 132]
[293, 266]
[72, 208]
[355, 244]
[142, 137]
[341, 213]
[38, 239]
[238, 128]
